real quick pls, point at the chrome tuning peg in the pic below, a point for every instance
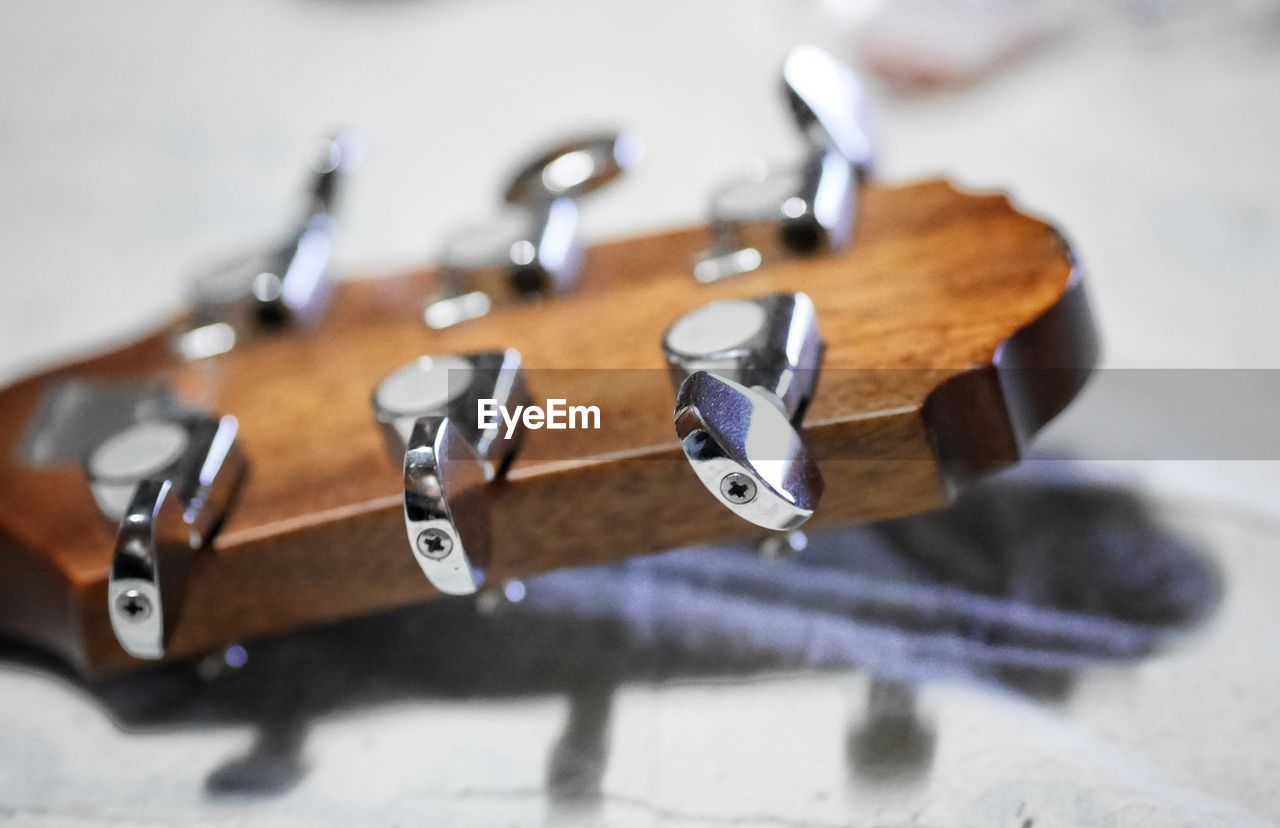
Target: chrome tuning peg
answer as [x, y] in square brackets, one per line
[282, 285]
[532, 249]
[168, 483]
[810, 206]
[744, 372]
[431, 419]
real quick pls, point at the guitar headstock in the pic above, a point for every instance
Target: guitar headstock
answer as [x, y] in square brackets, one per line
[951, 328]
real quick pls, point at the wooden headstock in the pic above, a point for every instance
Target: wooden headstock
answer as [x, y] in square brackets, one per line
[939, 290]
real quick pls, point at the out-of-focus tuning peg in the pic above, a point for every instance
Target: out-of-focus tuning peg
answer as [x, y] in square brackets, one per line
[533, 248]
[429, 412]
[810, 206]
[283, 285]
[168, 483]
[745, 371]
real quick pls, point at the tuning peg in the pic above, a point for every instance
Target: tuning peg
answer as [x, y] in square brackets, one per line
[429, 411]
[811, 206]
[286, 283]
[168, 483]
[532, 249]
[745, 371]
[829, 105]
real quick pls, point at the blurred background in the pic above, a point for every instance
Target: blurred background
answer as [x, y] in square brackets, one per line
[141, 140]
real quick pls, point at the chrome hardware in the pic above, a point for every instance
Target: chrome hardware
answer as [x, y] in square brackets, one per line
[148, 572]
[443, 500]
[74, 416]
[122, 461]
[429, 414]
[730, 432]
[828, 103]
[811, 206]
[745, 370]
[451, 386]
[532, 249]
[770, 344]
[278, 286]
[168, 483]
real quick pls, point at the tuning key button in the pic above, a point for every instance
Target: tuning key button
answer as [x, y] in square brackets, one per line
[453, 386]
[428, 385]
[119, 463]
[811, 205]
[429, 412]
[829, 105]
[770, 344]
[745, 371]
[144, 588]
[282, 285]
[168, 484]
[533, 248]
[445, 510]
[746, 452]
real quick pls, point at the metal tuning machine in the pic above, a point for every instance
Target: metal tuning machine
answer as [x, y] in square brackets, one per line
[809, 207]
[744, 372]
[429, 412]
[168, 483]
[283, 285]
[532, 249]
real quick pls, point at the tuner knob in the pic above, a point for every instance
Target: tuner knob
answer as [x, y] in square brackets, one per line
[811, 205]
[168, 483]
[282, 285]
[532, 249]
[745, 371]
[429, 412]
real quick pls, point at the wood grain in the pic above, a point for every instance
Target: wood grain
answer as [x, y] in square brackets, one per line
[938, 288]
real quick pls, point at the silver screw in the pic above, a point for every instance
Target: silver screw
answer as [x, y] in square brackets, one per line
[434, 544]
[134, 606]
[738, 488]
